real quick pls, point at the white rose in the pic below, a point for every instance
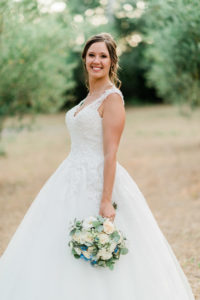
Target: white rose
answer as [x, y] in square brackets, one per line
[87, 223]
[100, 253]
[112, 247]
[103, 238]
[88, 237]
[104, 254]
[90, 249]
[77, 237]
[91, 219]
[108, 227]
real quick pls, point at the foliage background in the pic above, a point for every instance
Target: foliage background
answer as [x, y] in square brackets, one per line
[41, 43]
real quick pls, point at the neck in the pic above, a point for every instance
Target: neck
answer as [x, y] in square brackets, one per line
[99, 84]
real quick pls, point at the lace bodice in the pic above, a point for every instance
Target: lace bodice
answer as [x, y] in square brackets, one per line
[86, 159]
[85, 128]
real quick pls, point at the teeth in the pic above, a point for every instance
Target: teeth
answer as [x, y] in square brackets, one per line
[96, 68]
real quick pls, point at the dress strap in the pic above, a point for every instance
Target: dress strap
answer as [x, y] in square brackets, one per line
[105, 95]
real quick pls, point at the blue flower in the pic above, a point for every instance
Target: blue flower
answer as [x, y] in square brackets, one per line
[83, 247]
[85, 258]
[116, 249]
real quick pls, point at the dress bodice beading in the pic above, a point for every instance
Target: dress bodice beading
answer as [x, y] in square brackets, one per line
[85, 129]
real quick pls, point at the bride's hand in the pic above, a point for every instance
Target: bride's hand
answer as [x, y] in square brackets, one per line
[107, 210]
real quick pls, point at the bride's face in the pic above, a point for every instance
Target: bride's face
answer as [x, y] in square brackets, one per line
[98, 60]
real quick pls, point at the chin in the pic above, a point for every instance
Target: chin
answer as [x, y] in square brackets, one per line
[97, 76]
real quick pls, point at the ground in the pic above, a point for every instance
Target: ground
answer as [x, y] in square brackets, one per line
[160, 149]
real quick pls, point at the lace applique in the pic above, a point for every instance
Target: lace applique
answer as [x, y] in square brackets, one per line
[86, 158]
[100, 100]
[96, 103]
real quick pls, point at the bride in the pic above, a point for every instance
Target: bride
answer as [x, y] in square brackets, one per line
[37, 263]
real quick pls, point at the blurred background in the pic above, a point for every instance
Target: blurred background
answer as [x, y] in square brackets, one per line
[41, 77]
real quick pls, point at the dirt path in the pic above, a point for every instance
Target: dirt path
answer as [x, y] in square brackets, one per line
[159, 148]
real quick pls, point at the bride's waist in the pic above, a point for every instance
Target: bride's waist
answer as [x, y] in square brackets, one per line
[86, 155]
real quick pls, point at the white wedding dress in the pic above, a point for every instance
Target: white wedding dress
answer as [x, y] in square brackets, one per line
[37, 263]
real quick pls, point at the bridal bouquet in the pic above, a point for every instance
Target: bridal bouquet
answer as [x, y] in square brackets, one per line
[97, 240]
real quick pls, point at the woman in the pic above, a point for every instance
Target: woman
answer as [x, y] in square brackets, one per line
[37, 264]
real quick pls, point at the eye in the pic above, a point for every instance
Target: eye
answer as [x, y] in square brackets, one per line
[90, 54]
[104, 56]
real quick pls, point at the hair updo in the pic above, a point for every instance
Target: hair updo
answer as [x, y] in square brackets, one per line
[111, 46]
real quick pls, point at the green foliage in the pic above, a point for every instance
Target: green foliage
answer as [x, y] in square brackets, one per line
[172, 28]
[114, 205]
[79, 7]
[124, 251]
[115, 236]
[132, 68]
[110, 264]
[33, 69]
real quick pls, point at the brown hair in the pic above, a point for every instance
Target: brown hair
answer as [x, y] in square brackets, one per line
[111, 46]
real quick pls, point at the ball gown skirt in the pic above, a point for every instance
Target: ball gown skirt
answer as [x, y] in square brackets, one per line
[37, 263]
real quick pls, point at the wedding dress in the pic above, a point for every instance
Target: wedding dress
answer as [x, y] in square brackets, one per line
[37, 263]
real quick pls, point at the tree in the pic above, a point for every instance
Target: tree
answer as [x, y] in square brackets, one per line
[35, 70]
[172, 29]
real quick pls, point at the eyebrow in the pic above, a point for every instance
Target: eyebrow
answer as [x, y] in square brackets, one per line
[100, 52]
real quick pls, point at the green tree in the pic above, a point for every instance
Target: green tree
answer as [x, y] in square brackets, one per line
[173, 56]
[35, 67]
[129, 26]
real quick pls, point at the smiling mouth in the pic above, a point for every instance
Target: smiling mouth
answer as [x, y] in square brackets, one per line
[96, 68]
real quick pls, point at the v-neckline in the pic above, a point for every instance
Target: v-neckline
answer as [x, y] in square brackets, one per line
[82, 101]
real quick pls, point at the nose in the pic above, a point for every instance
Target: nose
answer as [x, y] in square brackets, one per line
[96, 59]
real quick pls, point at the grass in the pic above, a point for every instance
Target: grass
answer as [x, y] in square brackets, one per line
[160, 149]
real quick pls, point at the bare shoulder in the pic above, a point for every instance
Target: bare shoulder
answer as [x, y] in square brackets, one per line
[113, 111]
[113, 116]
[115, 97]
[114, 104]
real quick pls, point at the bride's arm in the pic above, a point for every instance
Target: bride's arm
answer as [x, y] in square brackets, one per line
[113, 125]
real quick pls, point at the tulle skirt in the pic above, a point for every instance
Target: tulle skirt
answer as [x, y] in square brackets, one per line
[38, 265]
